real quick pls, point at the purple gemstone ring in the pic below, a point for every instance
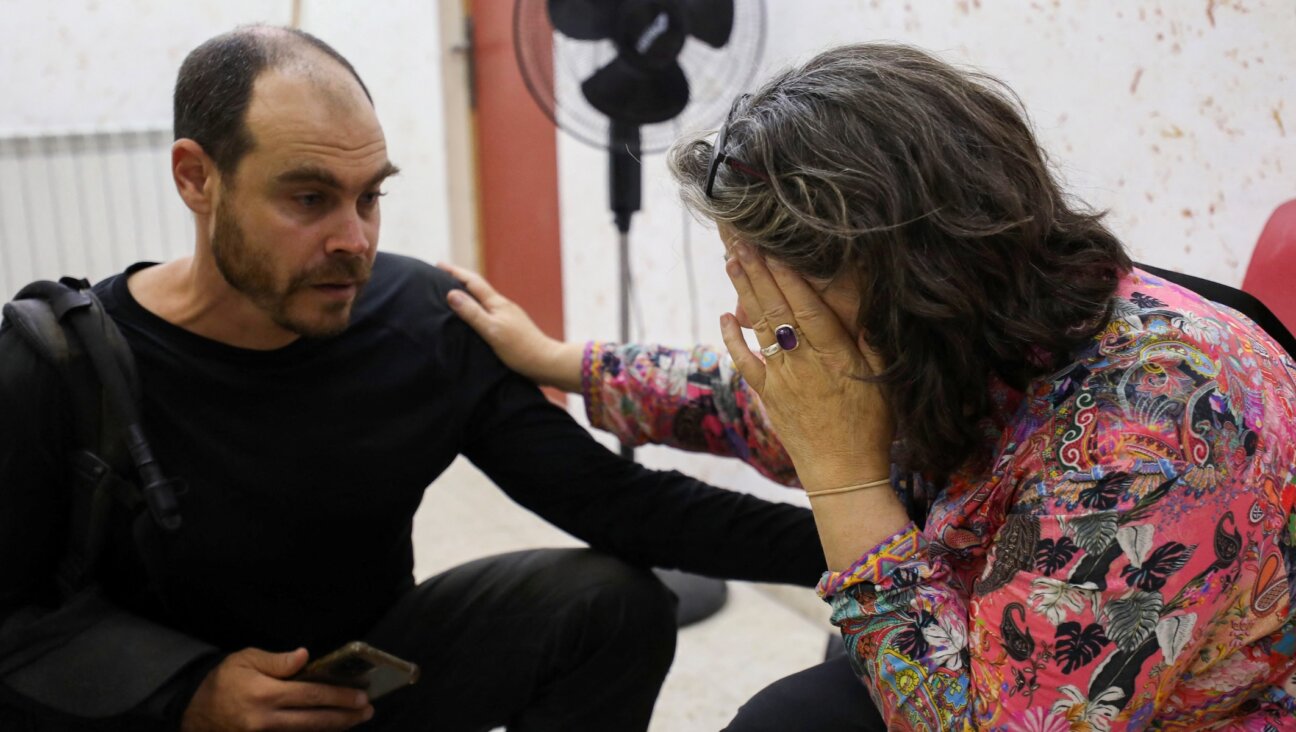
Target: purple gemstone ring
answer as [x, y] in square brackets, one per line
[786, 336]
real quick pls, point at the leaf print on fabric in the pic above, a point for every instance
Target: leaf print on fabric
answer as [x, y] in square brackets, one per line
[1094, 532]
[1165, 560]
[1198, 327]
[1131, 619]
[1023, 685]
[1053, 598]
[1077, 646]
[1174, 633]
[948, 641]
[1038, 719]
[1121, 670]
[1105, 492]
[1127, 311]
[1146, 302]
[1050, 555]
[911, 640]
[1081, 712]
[1136, 542]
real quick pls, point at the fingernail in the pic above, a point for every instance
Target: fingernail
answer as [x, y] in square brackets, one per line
[368, 714]
[744, 252]
[362, 699]
[733, 267]
[455, 297]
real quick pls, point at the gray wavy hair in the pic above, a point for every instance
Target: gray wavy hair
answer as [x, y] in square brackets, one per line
[925, 183]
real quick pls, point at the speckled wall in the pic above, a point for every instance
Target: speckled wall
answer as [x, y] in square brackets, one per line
[1179, 116]
[105, 64]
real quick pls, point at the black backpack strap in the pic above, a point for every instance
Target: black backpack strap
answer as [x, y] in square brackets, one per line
[66, 325]
[1243, 302]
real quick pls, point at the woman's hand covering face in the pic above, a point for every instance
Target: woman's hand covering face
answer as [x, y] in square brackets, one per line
[835, 425]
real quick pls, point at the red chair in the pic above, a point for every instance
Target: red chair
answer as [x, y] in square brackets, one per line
[1271, 275]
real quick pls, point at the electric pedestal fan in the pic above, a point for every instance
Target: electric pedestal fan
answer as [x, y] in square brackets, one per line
[626, 76]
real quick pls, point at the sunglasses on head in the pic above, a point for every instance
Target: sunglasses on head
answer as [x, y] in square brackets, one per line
[718, 156]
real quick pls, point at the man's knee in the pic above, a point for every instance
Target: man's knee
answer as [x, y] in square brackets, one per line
[823, 698]
[608, 601]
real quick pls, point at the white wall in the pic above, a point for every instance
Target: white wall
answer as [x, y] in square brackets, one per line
[1179, 116]
[94, 65]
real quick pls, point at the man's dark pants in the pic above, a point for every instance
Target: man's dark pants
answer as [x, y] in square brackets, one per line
[555, 639]
[824, 698]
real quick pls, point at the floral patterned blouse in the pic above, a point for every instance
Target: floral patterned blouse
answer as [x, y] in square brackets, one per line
[1126, 560]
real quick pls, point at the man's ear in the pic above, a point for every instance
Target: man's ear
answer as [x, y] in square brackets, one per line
[195, 175]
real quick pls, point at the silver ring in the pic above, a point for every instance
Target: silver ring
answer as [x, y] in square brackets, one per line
[771, 349]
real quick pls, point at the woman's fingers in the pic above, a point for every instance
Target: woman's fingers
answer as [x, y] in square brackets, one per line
[477, 285]
[750, 305]
[747, 363]
[470, 311]
[818, 324]
[772, 306]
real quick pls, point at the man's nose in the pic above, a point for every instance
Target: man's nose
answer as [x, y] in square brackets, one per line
[350, 236]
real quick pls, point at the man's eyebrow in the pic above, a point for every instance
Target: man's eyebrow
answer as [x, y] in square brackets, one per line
[388, 170]
[321, 176]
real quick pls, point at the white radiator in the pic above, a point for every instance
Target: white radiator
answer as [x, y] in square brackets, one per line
[87, 203]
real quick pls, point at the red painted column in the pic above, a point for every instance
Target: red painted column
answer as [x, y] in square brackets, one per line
[517, 166]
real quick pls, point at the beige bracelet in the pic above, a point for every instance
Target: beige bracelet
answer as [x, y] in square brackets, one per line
[848, 488]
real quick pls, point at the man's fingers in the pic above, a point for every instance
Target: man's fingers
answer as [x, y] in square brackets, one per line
[311, 695]
[751, 367]
[317, 720]
[275, 665]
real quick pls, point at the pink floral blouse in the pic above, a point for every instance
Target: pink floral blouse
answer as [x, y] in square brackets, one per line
[1126, 560]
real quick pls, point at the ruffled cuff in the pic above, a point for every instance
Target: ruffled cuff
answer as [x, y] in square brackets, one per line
[878, 564]
[592, 382]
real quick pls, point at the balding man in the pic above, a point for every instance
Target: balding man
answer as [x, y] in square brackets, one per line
[308, 389]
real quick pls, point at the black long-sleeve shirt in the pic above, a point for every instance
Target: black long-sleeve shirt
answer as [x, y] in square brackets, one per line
[305, 466]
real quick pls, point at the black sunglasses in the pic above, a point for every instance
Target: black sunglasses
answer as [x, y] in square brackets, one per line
[718, 155]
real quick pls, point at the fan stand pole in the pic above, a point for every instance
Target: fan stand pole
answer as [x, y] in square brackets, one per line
[625, 179]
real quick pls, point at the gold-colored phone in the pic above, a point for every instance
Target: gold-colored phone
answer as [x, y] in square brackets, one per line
[359, 665]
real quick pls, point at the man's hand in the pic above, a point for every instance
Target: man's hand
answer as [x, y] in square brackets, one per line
[249, 690]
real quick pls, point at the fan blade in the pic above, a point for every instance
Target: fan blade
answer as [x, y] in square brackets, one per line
[585, 20]
[710, 21]
[626, 94]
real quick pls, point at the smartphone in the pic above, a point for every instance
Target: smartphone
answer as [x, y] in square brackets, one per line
[359, 665]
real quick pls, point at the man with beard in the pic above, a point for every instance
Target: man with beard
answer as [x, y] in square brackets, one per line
[308, 389]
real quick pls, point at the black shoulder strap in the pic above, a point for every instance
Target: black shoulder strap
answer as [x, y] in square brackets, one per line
[66, 324]
[1243, 302]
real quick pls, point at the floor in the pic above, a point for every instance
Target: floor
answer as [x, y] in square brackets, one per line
[763, 633]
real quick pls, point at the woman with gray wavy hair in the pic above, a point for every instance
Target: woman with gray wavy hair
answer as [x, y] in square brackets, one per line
[1054, 491]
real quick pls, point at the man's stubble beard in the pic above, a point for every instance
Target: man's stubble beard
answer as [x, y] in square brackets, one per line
[249, 273]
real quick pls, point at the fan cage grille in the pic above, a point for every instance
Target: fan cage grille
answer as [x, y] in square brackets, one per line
[553, 67]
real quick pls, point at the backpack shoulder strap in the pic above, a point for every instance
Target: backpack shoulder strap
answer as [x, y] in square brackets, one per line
[39, 312]
[65, 324]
